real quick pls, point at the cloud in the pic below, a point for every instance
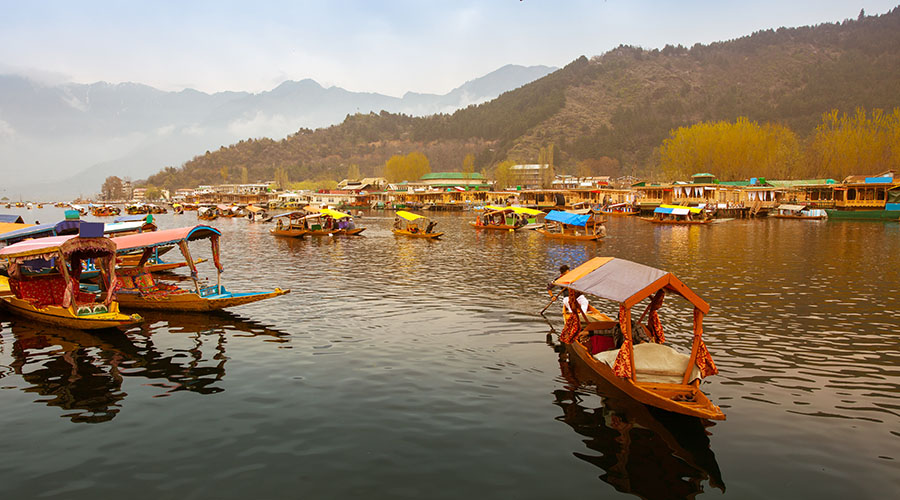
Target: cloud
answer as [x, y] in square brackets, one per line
[7, 132]
[263, 125]
[165, 131]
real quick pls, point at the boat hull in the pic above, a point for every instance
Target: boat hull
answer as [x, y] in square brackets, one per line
[290, 233]
[675, 222]
[400, 232]
[882, 215]
[658, 395]
[563, 236]
[498, 227]
[801, 217]
[619, 213]
[191, 302]
[60, 316]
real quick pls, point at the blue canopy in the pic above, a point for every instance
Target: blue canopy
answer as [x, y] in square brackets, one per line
[41, 230]
[567, 218]
[11, 218]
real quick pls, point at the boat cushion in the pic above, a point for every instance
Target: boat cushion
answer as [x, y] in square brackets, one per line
[41, 291]
[654, 363]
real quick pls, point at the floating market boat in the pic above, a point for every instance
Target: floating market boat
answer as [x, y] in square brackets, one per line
[140, 288]
[105, 210]
[797, 212]
[43, 281]
[678, 215]
[650, 372]
[581, 225]
[291, 225]
[505, 218]
[414, 226]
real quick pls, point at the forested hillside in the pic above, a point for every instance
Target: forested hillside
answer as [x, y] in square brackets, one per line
[620, 105]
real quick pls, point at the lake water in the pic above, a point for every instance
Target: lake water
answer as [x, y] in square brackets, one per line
[402, 368]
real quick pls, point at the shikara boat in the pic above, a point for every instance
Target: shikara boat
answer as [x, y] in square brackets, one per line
[140, 288]
[650, 372]
[291, 225]
[257, 214]
[229, 211]
[505, 218]
[43, 281]
[328, 222]
[581, 225]
[105, 210]
[414, 226]
[619, 209]
[678, 215]
[798, 212]
[207, 213]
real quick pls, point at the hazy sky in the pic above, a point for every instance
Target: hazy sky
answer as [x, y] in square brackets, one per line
[378, 46]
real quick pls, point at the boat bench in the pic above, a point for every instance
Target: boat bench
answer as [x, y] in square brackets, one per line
[138, 281]
[656, 363]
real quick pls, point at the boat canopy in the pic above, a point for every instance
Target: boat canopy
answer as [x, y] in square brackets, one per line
[518, 210]
[125, 227]
[333, 213]
[255, 209]
[568, 218]
[6, 227]
[11, 219]
[409, 215]
[41, 230]
[676, 210]
[617, 205]
[132, 218]
[291, 215]
[131, 242]
[791, 208]
[625, 282]
[62, 245]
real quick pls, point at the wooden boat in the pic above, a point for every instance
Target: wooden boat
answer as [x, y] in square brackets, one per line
[620, 209]
[505, 218]
[229, 211]
[177, 208]
[414, 226]
[328, 222]
[140, 289]
[257, 214]
[207, 213]
[650, 372]
[43, 281]
[678, 215]
[105, 210]
[798, 212]
[579, 225]
[290, 225]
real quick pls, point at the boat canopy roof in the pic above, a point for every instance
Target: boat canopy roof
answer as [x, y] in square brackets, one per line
[617, 205]
[409, 215]
[151, 239]
[792, 208]
[11, 218]
[676, 210]
[6, 227]
[625, 282]
[64, 245]
[132, 218]
[291, 215]
[518, 210]
[255, 209]
[124, 227]
[40, 230]
[333, 213]
[568, 218]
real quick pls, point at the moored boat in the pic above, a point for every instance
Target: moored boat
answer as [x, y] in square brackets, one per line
[797, 212]
[678, 215]
[617, 209]
[579, 225]
[141, 289]
[291, 225]
[505, 218]
[43, 281]
[328, 222]
[414, 226]
[207, 213]
[650, 372]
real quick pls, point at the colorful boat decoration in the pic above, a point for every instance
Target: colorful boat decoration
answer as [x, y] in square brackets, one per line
[506, 218]
[414, 226]
[678, 215]
[141, 289]
[650, 372]
[619, 209]
[798, 212]
[580, 225]
[43, 281]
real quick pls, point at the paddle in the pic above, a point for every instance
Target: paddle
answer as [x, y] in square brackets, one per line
[552, 300]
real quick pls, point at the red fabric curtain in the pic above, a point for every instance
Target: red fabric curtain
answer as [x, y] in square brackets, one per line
[704, 360]
[653, 324]
[624, 362]
[573, 322]
[215, 253]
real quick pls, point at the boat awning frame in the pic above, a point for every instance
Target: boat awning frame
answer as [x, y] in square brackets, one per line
[132, 242]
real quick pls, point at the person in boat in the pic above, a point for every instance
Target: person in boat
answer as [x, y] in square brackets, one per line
[413, 228]
[430, 228]
[563, 269]
[396, 222]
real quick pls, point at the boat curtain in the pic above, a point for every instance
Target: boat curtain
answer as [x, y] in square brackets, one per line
[215, 254]
[704, 360]
[64, 272]
[573, 322]
[624, 361]
[107, 267]
[186, 252]
[653, 324]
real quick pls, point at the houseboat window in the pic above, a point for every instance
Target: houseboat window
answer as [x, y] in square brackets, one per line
[881, 194]
[851, 194]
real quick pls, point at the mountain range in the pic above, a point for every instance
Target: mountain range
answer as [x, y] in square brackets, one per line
[70, 137]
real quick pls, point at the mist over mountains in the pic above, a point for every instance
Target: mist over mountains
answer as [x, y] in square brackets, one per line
[61, 141]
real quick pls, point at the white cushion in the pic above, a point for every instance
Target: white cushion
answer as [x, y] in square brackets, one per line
[654, 363]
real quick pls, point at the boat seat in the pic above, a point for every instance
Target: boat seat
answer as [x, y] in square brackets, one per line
[656, 363]
[40, 291]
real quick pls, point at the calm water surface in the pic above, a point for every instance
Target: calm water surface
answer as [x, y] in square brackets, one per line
[400, 368]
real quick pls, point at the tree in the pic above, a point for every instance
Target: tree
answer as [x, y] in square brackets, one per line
[406, 168]
[245, 176]
[281, 178]
[224, 173]
[112, 189]
[855, 144]
[353, 173]
[152, 193]
[599, 166]
[468, 166]
[503, 177]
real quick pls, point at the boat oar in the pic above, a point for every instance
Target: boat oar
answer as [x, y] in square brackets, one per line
[552, 300]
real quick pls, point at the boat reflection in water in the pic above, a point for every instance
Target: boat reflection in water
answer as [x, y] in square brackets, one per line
[83, 373]
[651, 453]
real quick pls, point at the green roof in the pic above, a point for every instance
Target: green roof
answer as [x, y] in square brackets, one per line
[451, 175]
[802, 182]
[703, 174]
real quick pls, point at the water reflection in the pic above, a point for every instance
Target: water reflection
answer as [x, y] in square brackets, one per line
[643, 451]
[84, 373]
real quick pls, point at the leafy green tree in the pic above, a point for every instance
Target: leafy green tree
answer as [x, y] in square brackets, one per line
[245, 176]
[112, 188]
[503, 177]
